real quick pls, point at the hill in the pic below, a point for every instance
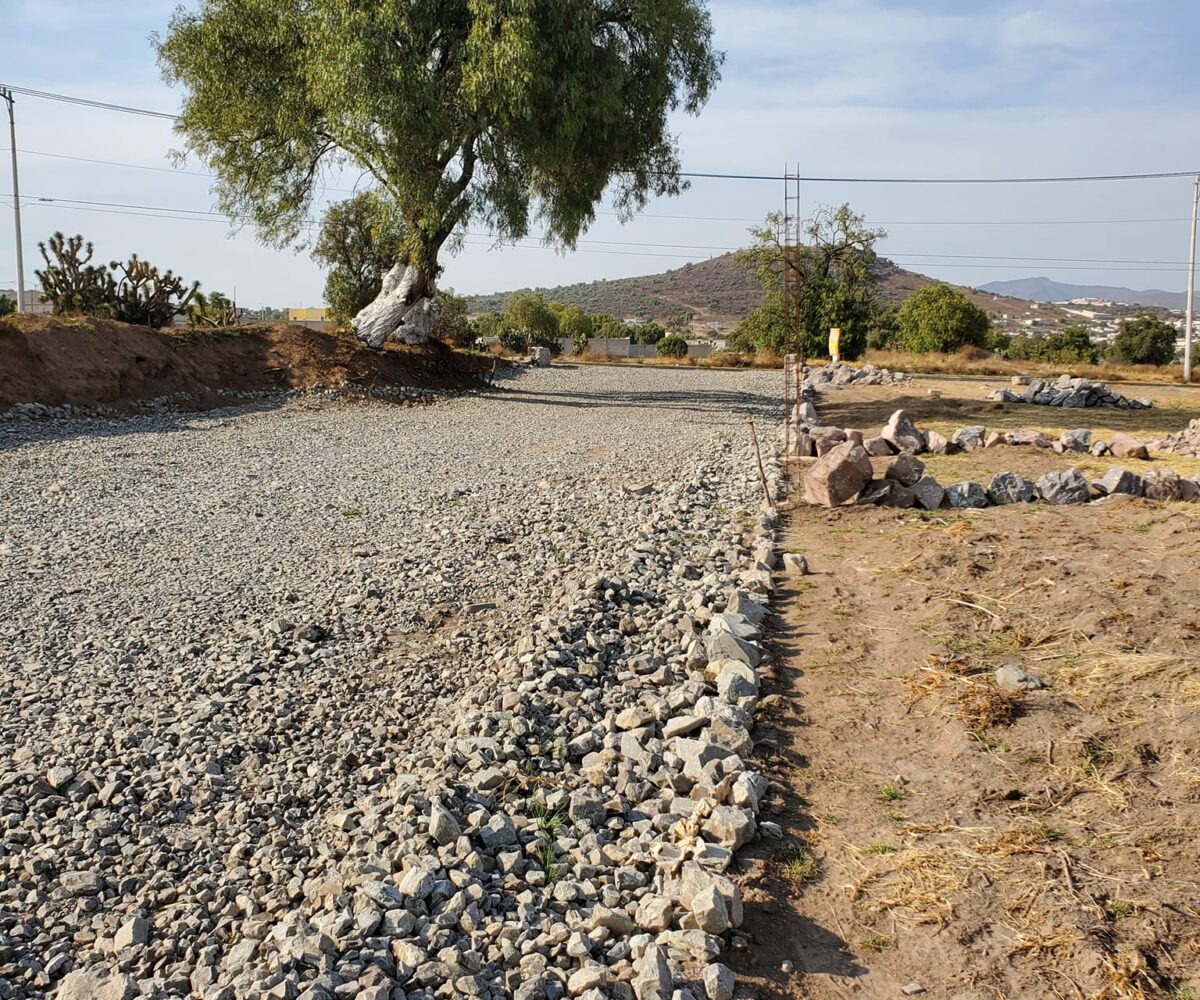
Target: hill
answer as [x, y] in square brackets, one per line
[719, 291]
[1048, 290]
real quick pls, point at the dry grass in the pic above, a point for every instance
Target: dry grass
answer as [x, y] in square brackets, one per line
[971, 361]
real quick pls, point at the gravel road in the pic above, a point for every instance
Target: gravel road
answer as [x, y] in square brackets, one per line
[221, 634]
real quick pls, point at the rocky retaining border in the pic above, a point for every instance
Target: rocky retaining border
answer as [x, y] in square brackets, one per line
[571, 835]
[843, 470]
[1069, 392]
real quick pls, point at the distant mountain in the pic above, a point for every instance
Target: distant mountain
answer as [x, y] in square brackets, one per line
[717, 291]
[1049, 290]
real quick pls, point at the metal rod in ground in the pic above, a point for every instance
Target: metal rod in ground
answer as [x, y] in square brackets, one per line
[762, 473]
[1191, 285]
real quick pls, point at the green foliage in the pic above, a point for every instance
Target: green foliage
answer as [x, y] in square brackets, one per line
[574, 323]
[645, 333]
[528, 314]
[937, 317]
[7, 306]
[672, 346]
[133, 291]
[679, 322]
[1069, 346]
[608, 327]
[513, 340]
[1143, 340]
[461, 110]
[215, 310]
[452, 325]
[360, 239]
[829, 282]
[884, 327]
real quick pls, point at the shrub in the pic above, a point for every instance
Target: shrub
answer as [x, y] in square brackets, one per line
[1143, 340]
[1070, 346]
[672, 346]
[940, 318]
[647, 333]
[7, 305]
[513, 340]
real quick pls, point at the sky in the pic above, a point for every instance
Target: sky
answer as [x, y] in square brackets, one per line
[834, 88]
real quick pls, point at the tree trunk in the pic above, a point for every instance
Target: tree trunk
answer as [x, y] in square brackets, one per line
[405, 309]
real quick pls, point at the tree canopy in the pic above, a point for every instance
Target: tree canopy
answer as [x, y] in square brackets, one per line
[1143, 340]
[460, 110]
[360, 240]
[829, 283]
[937, 317]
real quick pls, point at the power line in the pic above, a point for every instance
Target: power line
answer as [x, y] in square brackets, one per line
[199, 215]
[47, 96]
[774, 178]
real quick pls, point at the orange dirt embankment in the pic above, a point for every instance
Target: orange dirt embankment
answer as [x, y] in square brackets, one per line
[91, 362]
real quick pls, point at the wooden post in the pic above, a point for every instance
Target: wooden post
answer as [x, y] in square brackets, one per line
[762, 473]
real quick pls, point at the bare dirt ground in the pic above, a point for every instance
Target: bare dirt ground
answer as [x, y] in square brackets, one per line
[87, 361]
[939, 834]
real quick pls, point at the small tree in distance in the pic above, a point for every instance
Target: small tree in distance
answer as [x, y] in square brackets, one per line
[359, 241]
[937, 317]
[671, 346]
[830, 283]
[1143, 340]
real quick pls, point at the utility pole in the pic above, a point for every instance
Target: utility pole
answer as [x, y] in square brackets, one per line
[1191, 287]
[7, 96]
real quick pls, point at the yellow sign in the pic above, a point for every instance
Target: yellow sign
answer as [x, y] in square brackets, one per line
[835, 342]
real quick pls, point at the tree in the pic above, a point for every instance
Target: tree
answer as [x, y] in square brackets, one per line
[937, 317]
[360, 239]
[528, 314]
[7, 306]
[461, 110]
[1143, 340]
[1068, 346]
[671, 346]
[829, 282]
[452, 324]
[575, 324]
[215, 310]
[646, 333]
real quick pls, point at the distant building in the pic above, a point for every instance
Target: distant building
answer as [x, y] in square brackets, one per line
[310, 314]
[34, 304]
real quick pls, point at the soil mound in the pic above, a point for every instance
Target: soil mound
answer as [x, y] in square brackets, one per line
[90, 362]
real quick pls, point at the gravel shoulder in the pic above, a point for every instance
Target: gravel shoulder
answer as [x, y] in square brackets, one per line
[247, 656]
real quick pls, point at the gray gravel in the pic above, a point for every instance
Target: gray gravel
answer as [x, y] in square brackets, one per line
[316, 698]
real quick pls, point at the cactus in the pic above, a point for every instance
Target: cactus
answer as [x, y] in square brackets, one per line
[214, 310]
[70, 282]
[132, 292]
[143, 296]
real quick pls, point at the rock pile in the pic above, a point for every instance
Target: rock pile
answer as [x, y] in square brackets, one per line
[398, 792]
[841, 375]
[1067, 391]
[1185, 442]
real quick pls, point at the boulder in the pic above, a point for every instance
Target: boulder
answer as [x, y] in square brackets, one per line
[886, 493]
[935, 443]
[1118, 480]
[966, 495]
[905, 469]
[540, 357]
[1076, 440]
[825, 439]
[719, 981]
[969, 438]
[1035, 438]
[1008, 487]
[902, 434]
[1069, 486]
[1162, 484]
[878, 447]
[838, 475]
[928, 493]
[652, 978]
[1124, 446]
